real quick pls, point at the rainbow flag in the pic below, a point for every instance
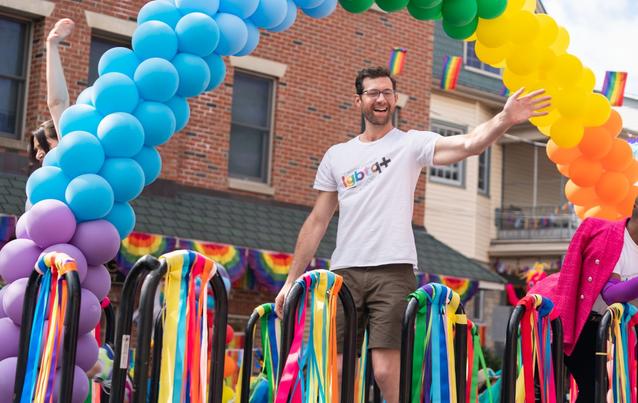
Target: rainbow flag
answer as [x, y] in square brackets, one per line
[138, 244]
[505, 92]
[614, 87]
[466, 288]
[451, 70]
[397, 61]
[231, 257]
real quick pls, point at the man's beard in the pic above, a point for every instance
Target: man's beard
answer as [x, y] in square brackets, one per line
[368, 115]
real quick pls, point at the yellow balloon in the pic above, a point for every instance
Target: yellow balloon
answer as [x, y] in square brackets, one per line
[547, 62]
[546, 121]
[492, 56]
[514, 5]
[571, 103]
[545, 130]
[548, 30]
[530, 5]
[526, 27]
[597, 110]
[523, 60]
[587, 81]
[567, 133]
[514, 81]
[561, 43]
[228, 396]
[567, 71]
[493, 33]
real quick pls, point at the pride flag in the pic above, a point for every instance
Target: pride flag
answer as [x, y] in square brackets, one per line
[397, 61]
[614, 87]
[451, 70]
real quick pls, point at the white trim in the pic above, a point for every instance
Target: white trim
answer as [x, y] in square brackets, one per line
[376, 8]
[250, 186]
[38, 8]
[108, 24]
[259, 65]
[488, 285]
[481, 71]
[402, 100]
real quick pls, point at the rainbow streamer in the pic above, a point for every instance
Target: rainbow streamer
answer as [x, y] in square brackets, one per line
[475, 359]
[451, 71]
[466, 288]
[7, 227]
[396, 63]
[614, 87]
[231, 257]
[139, 244]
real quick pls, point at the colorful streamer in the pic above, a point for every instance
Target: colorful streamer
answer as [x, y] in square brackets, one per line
[233, 258]
[451, 70]
[396, 63]
[138, 244]
[475, 359]
[614, 87]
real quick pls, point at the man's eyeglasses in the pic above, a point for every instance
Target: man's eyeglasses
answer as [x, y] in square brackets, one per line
[374, 94]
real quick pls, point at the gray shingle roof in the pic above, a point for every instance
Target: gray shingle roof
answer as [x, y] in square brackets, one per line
[168, 209]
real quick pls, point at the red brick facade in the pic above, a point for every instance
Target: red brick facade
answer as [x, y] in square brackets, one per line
[314, 99]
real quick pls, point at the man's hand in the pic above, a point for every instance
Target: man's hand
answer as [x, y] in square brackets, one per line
[61, 31]
[519, 108]
[281, 298]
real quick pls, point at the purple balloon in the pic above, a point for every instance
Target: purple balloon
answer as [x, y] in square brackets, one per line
[13, 300]
[3, 314]
[98, 240]
[73, 252]
[7, 378]
[86, 353]
[90, 312]
[9, 338]
[21, 227]
[50, 222]
[98, 281]
[17, 259]
[80, 386]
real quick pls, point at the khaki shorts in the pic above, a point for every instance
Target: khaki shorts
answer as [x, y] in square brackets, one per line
[380, 297]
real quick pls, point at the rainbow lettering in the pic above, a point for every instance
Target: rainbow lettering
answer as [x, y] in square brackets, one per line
[360, 175]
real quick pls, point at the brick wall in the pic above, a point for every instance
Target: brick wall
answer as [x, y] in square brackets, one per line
[314, 104]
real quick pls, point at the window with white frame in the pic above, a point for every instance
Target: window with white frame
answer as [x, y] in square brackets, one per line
[14, 49]
[452, 174]
[484, 172]
[472, 61]
[251, 127]
[99, 46]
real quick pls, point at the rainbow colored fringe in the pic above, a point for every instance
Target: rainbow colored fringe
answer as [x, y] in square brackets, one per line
[231, 257]
[310, 373]
[623, 352]
[45, 343]
[139, 244]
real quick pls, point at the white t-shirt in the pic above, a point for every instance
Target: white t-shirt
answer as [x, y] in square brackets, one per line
[626, 267]
[375, 182]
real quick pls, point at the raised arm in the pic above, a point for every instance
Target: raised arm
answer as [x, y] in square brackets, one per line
[310, 236]
[517, 109]
[57, 92]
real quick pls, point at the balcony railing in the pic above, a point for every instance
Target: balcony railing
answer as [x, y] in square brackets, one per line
[536, 223]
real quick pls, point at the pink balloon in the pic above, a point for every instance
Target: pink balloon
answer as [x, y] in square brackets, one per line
[17, 259]
[21, 227]
[7, 378]
[73, 252]
[9, 338]
[98, 240]
[98, 281]
[50, 222]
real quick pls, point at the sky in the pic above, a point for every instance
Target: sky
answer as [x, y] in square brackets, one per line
[603, 35]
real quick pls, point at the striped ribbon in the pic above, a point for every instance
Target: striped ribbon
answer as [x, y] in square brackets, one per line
[310, 374]
[360, 382]
[623, 336]
[184, 366]
[475, 359]
[45, 342]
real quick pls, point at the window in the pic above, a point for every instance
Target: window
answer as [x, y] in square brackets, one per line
[452, 174]
[99, 46]
[484, 172]
[472, 62]
[13, 75]
[251, 127]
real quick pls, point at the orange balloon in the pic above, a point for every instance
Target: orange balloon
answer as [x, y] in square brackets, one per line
[563, 169]
[632, 172]
[596, 142]
[559, 155]
[603, 212]
[585, 172]
[580, 211]
[619, 156]
[580, 195]
[230, 366]
[626, 206]
[612, 187]
[614, 123]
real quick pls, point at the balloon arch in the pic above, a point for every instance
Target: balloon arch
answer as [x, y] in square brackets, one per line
[78, 201]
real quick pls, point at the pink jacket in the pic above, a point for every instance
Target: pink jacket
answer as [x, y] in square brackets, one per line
[590, 260]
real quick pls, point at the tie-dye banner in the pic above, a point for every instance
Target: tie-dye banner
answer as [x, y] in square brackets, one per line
[466, 288]
[231, 257]
[138, 244]
[271, 268]
[7, 227]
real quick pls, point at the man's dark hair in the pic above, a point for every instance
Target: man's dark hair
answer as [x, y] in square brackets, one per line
[373, 72]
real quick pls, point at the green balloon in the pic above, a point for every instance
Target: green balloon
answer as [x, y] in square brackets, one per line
[489, 9]
[462, 32]
[425, 3]
[459, 12]
[356, 6]
[392, 5]
[419, 13]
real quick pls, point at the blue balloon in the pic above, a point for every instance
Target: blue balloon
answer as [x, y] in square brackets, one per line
[125, 176]
[154, 39]
[89, 196]
[80, 153]
[156, 79]
[217, 69]
[158, 121]
[121, 135]
[288, 22]
[52, 158]
[241, 8]
[322, 11]
[163, 11]
[308, 3]
[181, 110]
[115, 92]
[209, 7]
[79, 117]
[233, 34]
[85, 97]
[122, 217]
[252, 41]
[118, 60]
[46, 183]
[151, 163]
[194, 74]
[270, 13]
[197, 33]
